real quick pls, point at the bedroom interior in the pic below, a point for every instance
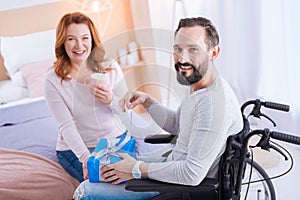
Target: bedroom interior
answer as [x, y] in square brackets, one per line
[29, 168]
[28, 133]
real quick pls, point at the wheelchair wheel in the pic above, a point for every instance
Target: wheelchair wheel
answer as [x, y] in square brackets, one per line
[261, 190]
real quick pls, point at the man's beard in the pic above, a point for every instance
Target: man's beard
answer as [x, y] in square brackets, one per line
[194, 78]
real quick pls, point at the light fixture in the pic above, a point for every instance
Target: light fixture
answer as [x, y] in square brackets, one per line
[101, 8]
[89, 6]
[95, 5]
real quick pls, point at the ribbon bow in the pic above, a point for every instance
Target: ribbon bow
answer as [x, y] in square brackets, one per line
[112, 146]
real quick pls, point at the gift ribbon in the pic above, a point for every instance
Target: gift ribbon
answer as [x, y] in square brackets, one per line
[110, 150]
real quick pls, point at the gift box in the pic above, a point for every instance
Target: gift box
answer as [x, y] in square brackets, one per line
[106, 152]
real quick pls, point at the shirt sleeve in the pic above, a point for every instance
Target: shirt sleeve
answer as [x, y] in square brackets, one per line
[199, 144]
[166, 118]
[63, 117]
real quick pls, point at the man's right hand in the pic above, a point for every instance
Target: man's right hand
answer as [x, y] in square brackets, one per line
[134, 98]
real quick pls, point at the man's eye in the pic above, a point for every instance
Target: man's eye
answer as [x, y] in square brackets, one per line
[177, 50]
[193, 50]
[70, 39]
[86, 38]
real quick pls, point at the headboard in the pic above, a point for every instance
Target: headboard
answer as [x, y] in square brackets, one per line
[27, 20]
[3, 75]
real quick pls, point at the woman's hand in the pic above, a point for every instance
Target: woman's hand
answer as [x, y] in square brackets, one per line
[135, 98]
[102, 93]
[118, 172]
[84, 169]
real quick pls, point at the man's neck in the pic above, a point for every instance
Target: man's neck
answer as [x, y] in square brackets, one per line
[206, 81]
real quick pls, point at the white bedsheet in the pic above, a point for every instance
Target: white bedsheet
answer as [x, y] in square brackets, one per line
[22, 111]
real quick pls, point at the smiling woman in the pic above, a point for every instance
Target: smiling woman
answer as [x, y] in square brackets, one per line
[83, 114]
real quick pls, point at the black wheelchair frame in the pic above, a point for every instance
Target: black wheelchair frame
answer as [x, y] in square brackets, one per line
[232, 164]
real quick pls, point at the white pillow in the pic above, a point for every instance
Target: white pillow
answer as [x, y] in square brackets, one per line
[18, 79]
[11, 92]
[20, 50]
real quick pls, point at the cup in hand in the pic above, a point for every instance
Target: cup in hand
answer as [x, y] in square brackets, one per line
[97, 79]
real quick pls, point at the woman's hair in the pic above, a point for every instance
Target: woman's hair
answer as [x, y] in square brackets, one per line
[62, 65]
[212, 36]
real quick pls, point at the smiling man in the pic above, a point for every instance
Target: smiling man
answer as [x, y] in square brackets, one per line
[206, 117]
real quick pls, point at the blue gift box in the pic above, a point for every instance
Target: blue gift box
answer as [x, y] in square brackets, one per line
[106, 152]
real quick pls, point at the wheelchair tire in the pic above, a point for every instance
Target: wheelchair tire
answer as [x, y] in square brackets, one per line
[261, 187]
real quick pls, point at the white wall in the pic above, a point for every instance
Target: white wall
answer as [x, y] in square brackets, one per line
[14, 4]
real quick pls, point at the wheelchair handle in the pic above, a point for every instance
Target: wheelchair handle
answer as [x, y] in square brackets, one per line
[266, 133]
[258, 103]
[276, 106]
[285, 137]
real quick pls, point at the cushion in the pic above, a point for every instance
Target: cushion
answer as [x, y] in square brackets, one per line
[9, 91]
[19, 50]
[18, 79]
[34, 74]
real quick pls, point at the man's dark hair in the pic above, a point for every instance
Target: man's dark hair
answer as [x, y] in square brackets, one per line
[212, 36]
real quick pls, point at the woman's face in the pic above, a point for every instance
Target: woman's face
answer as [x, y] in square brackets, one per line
[78, 43]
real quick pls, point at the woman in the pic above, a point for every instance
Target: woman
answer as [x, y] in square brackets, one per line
[83, 112]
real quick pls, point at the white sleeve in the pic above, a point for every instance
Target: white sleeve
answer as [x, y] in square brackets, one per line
[166, 118]
[63, 117]
[199, 144]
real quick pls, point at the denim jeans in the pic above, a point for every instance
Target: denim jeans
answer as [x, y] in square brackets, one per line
[69, 161]
[106, 191]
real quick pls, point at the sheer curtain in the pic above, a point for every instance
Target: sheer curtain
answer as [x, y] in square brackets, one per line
[259, 48]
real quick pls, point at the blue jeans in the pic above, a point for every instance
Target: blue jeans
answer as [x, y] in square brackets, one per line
[69, 161]
[106, 191]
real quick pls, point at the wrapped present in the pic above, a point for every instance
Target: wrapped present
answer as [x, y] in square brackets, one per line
[106, 152]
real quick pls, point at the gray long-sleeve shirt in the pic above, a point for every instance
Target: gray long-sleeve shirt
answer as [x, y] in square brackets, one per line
[203, 122]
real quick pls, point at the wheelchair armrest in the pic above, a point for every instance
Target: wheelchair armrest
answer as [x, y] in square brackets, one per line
[160, 138]
[146, 185]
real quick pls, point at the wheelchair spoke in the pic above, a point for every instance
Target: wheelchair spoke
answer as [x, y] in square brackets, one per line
[261, 190]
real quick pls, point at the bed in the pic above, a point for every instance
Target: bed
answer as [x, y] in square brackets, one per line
[28, 163]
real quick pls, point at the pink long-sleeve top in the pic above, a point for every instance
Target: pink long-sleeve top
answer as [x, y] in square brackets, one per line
[82, 120]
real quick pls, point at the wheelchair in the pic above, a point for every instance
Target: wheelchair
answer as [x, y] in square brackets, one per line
[234, 163]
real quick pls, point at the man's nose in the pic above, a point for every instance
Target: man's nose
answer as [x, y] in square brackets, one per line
[183, 57]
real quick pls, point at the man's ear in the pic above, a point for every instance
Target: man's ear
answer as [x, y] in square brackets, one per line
[215, 52]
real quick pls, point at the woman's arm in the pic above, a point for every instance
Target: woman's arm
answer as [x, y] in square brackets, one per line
[63, 117]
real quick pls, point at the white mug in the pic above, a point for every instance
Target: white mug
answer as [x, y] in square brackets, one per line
[98, 79]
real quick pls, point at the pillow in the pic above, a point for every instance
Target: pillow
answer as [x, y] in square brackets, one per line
[34, 74]
[11, 92]
[18, 79]
[19, 50]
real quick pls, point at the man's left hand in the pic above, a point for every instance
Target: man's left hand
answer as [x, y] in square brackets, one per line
[118, 172]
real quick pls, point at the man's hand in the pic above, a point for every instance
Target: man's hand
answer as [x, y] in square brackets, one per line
[135, 98]
[118, 172]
